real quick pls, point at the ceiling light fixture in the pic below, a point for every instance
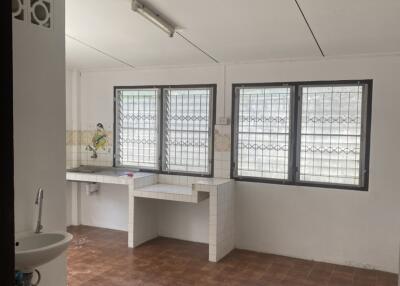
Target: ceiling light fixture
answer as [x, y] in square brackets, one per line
[153, 17]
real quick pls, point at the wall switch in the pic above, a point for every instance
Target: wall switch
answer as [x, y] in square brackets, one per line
[223, 121]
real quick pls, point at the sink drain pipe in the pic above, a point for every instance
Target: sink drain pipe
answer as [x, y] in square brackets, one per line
[25, 279]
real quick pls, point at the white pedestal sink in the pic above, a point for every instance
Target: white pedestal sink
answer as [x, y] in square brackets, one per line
[35, 249]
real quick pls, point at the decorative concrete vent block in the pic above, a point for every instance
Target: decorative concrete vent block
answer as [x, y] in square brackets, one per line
[18, 9]
[41, 12]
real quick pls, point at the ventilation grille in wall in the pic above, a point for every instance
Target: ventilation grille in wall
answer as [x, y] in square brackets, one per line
[40, 12]
[18, 10]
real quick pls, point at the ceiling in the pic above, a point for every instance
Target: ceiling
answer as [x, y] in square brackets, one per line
[102, 34]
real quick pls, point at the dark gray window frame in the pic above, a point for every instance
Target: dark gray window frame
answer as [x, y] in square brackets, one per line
[159, 169]
[116, 147]
[211, 115]
[294, 137]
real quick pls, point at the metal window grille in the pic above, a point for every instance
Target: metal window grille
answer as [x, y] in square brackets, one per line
[300, 133]
[187, 130]
[137, 122]
[332, 134]
[262, 131]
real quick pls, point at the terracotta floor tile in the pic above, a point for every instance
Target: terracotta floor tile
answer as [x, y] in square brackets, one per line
[100, 257]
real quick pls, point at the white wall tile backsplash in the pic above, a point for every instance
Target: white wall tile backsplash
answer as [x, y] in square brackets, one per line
[77, 153]
[222, 154]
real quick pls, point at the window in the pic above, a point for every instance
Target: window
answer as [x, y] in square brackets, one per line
[168, 129]
[331, 134]
[137, 125]
[187, 133]
[303, 133]
[263, 124]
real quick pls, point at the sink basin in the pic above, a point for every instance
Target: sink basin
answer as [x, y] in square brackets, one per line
[85, 169]
[35, 249]
[106, 171]
[114, 172]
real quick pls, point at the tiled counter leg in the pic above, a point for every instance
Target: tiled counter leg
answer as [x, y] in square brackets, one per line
[74, 201]
[142, 219]
[221, 221]
[131, 218]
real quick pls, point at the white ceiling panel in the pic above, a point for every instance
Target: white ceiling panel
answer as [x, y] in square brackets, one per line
[81, 57]
[112, 27]
[228, 30]
[233, 30]
[346, 27]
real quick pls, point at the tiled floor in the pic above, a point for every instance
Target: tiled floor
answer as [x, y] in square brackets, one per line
[99, 257]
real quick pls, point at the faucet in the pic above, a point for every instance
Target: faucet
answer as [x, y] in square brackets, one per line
[39, 202]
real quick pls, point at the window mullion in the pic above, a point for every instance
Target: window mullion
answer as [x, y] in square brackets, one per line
[160, 128]
[164, 127]
[234, 130]
[297, 117]
[293, 136]
[363, 135]
[211, 130]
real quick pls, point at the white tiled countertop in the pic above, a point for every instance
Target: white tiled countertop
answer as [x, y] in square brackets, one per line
[150, 185]
[108, 175]
[195, 191]
[120, 176]
[169, 189]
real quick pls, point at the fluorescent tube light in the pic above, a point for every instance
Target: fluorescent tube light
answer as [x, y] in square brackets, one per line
[153, 17]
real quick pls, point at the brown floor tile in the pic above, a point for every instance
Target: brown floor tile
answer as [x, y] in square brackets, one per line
[100, 257]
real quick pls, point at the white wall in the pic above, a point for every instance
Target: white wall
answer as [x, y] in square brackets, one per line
[345, 227]
[185, 221]
[39, 129]
[107, 209]
[73, 116]
[348, 227]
